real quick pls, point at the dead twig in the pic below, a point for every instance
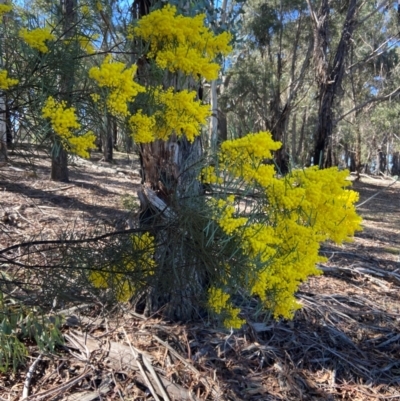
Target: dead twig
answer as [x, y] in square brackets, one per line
[138, 357]
[29, 375]
[60, 389]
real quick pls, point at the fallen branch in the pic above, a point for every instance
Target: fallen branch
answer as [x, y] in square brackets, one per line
[29, 376]
[58, 390]
[120, 355]
[377, 193]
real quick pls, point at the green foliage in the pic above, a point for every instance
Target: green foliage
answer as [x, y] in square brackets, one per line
[18, 324]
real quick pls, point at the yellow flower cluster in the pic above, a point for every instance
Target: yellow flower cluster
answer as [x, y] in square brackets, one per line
[141, 263]
[300, 211]
[85, 10]
[177, 113]
[209, 176]
[181, 114]
[79, 145]
[85, 42]
[5, 82]
[244, 157]
[36, 38]
[64, 121]
[143, 127]
[4, 9]
[118, 80]
[226, 218]
[218, 302]
[185, 44]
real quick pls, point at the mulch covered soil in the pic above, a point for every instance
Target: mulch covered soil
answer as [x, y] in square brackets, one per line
[343, 345]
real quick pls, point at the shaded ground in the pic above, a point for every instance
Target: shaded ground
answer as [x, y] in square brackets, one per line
[343, 345]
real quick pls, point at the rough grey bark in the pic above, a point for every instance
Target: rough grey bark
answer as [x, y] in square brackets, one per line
[329, 75]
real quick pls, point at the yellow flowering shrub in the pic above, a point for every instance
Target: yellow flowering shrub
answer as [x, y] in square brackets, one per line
[5, 82]
[118, 80]
[219, 303]
[288, 220]
[36, 38]
[139, 264]
[4, 9]
[64, 122]
[179, 43]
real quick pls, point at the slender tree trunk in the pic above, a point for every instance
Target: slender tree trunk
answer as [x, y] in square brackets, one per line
[213, 127]
[293, 138]
[59, 161]
[300, 145]
[115, 133]
[222, 126]
[9, 132]
[108, 139]
[3, 130]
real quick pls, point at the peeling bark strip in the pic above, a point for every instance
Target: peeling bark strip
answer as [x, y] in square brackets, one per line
[167, 167]
[329, 76]
[170, 189]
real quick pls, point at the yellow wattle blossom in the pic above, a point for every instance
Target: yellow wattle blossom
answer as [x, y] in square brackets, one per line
[64, 122]
[226, 218]
[36, 38]
[140, 264]
[79, 145]
[85, 42]
[142, 127]
[85, 10]
[5, 82]
[95, 97]
[180, 114]
[179, 43]
[218, 302]
[299, 211]
[209, 176]
[118, 80]
[4, 9]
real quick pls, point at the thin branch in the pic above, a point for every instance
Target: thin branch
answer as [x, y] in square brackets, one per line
[369, 101]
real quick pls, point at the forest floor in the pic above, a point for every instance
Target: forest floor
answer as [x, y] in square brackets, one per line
[343, 345]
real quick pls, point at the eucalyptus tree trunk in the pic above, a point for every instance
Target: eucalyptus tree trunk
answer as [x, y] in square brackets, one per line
[108, 138]
[59, 161]
[170, 198]
[329, 75]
